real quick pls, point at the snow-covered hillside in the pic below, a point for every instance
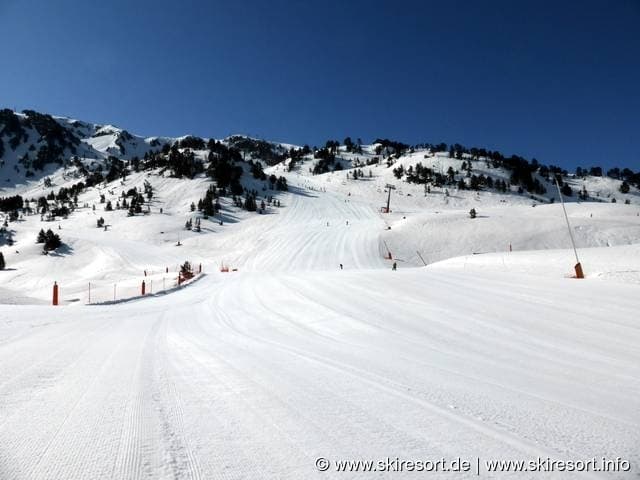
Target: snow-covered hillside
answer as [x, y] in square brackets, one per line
[313, 347]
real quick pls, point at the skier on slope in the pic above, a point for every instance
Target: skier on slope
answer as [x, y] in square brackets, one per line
[340, 266]
[394, 266]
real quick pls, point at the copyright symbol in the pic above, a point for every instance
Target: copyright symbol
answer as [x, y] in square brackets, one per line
[322, 464]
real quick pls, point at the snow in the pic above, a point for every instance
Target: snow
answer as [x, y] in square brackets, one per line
[256, 373]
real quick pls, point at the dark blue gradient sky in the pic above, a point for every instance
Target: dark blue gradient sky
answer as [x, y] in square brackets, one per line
[558, 81]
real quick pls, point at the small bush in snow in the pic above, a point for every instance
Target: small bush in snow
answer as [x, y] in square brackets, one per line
[51, 241]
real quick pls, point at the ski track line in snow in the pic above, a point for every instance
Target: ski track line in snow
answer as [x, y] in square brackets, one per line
[251, 411]
[345, 444]
[259, 361]
[17, 354]
[128, 462]
[502, 334]
[389, 386]
[594, 413]
[169, 406]
[65, 409]
[41, 375]
[87, 444]
[480, 357]
[257, 408]
[432, 445]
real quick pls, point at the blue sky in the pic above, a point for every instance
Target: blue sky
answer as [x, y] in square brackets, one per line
[558, 81]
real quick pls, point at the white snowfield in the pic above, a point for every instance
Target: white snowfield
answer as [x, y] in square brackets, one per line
[261, 372]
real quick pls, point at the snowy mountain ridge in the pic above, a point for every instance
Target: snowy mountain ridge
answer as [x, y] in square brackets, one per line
[32, 145]
[121, 204]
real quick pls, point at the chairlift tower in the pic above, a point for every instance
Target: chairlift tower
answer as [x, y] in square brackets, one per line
[389, 187]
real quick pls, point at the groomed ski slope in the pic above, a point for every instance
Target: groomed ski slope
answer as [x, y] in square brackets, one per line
[257, 373]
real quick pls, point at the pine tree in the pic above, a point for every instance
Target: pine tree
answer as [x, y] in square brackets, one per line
[281, 184]
[2, 262]
[583, 195]
[250, 204]
[52, 241]
[148, 189]
[41, 236]
[624, 187]
[450, 174]
[186, 271]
